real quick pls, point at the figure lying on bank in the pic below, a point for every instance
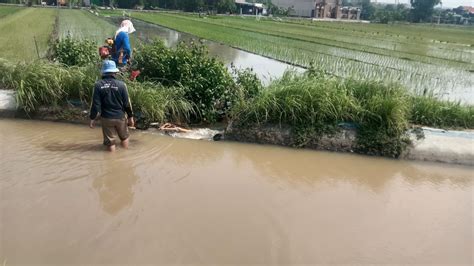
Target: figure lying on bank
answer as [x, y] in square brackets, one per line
[167, 127]
[110, 100]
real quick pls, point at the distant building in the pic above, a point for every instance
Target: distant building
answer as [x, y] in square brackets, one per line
[469, 9]
[300, 8]
[245, 8]
[319, 9]
[65, 2]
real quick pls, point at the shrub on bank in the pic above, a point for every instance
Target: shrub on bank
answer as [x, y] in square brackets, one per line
[206, 81]
[73, 52]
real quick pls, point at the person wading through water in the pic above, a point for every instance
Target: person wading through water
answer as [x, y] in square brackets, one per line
[122, 49]
[110, 100]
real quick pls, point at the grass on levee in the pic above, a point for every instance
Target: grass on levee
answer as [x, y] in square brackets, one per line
[20, 30]
[42, 83]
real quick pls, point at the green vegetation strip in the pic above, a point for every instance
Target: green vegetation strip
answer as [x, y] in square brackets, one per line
[21, 29]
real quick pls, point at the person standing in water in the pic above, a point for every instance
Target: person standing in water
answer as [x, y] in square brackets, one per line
[110, 100]
[123, 50]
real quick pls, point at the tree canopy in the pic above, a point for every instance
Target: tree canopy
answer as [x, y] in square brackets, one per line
[422, 9]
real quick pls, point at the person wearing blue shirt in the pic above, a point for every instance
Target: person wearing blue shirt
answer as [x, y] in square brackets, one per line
[123, 50]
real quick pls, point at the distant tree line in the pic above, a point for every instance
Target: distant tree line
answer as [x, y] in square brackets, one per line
[221, 6]
[417, 11]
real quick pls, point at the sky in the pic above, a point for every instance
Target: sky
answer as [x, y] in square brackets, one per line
[446, 3]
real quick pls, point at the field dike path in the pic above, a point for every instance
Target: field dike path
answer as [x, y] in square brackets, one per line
[435, 145]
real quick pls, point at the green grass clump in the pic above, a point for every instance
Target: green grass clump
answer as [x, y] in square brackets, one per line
[315, 105]
[155, 103]
[430, 111]
[41, 83]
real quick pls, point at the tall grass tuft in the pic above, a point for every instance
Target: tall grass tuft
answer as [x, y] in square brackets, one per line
[49, 84]
[427, 110]
[42, 83]
[316, 104]
[154, 102]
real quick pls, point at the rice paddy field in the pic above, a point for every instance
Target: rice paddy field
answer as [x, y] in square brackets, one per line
[7, 10]
[82, 24]
[20, 28]
[423, 58]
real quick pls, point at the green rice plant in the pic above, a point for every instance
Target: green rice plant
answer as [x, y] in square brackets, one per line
[430, 111]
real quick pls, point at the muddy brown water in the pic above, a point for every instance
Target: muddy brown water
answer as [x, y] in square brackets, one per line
[173, 201]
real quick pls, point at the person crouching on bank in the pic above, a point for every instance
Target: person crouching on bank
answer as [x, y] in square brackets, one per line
[110, 101]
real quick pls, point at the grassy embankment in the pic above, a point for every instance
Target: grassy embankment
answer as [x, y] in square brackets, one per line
[20, 29]
[418, 57]
[311, 104]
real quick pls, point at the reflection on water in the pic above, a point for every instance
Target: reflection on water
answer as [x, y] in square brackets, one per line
[114, 185]
[176, 201]
[265, 68]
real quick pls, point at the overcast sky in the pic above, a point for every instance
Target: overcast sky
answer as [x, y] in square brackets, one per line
[446, 3]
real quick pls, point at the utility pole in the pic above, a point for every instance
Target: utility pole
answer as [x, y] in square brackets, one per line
[441, 11]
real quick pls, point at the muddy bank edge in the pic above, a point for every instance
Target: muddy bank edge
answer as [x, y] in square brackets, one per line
[428, 144]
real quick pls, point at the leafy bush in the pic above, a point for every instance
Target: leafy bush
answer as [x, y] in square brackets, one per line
[248, 82]
[72, 52]
[206, 81]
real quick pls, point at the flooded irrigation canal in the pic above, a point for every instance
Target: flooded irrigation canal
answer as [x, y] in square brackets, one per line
[175, 201]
